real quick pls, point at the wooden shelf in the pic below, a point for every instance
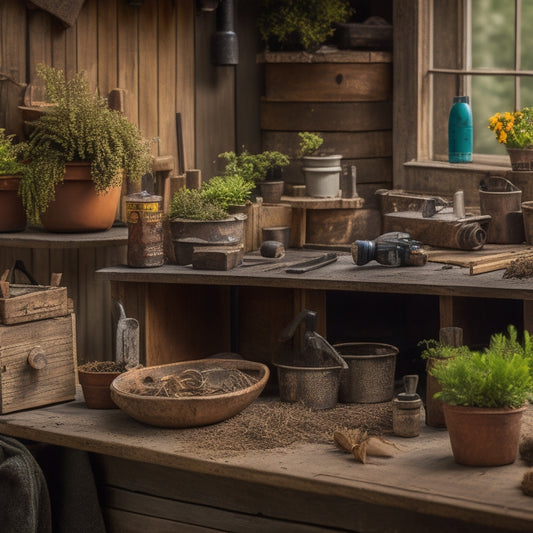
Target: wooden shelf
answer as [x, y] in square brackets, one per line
[38, 238]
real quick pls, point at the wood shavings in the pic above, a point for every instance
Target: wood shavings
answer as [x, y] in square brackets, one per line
[521, 268]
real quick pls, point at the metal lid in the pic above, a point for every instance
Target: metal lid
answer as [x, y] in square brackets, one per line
[461, 99]
[143, 196]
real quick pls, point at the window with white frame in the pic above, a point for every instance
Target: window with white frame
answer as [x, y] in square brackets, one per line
[484, 49]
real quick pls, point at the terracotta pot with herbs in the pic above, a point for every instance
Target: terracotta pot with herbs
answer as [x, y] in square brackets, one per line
[79, 132]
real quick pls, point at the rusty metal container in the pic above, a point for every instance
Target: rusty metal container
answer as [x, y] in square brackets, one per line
[370, 374]
[500, 199]
[145, 230]
[188, 234]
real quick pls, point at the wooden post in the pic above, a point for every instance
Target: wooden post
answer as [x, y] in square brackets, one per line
[450, 336]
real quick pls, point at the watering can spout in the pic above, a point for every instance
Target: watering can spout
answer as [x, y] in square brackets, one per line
[317, 351]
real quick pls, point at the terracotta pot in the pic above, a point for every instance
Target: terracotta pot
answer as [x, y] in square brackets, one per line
[77, 207]
[96, 391]
[482, 436]
[521, 159]
[12, 214]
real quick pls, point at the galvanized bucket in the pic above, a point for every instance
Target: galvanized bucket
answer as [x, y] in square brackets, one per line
[316, 388]
[370, 374]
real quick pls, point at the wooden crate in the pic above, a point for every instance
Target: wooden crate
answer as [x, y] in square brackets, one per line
[37, 363]
[32, 302]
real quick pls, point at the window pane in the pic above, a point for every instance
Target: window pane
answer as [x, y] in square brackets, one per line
[526, 91]
[493, 30]
[527, 37]
[490, 95]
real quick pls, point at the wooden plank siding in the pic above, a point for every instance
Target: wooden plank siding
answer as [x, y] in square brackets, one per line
[148, 51]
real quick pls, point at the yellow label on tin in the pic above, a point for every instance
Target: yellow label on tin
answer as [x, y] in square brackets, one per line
[142, 206]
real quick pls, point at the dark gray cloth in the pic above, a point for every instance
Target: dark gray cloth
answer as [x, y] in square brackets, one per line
[66, 11]
[24, 499]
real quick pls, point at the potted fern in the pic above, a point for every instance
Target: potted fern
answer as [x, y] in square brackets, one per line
[322, 172]
[12, 215]
[484, 395]
[201, 218]
[76, 157]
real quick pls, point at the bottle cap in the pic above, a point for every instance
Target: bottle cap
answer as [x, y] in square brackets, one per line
[461, 99]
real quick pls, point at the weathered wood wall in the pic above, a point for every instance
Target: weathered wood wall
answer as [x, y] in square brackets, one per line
[148, 51]
[159, 53]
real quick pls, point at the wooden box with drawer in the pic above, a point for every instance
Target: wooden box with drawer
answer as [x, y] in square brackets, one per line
[37, 363]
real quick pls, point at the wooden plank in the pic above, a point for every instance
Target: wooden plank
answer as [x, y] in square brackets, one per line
[135, 509]
[215, 102]
[39, 45]
[326, 116]
[107, 46]
[326, 55]
[324, 82]
[305, 479]
[185, 79]
[166, 76]
[205, 335]
[352, 145]
[87, 42]
[13, 61]
[148, 71]
[128, 58]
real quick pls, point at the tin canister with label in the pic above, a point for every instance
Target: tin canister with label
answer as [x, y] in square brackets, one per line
[145, 230]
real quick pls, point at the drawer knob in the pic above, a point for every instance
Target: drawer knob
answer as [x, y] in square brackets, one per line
[37, 358]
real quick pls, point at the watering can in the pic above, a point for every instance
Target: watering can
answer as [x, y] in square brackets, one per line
[313, 378]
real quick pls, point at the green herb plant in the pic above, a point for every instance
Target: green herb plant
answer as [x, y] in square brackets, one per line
[228, 190]
[309, 142]
[252, 167]
[436, 350]
[78, 127]
[191, 204]
[9, 151]
[300, 24]
[499, 376]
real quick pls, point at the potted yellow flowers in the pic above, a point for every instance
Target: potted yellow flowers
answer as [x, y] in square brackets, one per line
[515, 130]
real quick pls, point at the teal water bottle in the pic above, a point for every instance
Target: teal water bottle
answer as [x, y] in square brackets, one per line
[460, 130]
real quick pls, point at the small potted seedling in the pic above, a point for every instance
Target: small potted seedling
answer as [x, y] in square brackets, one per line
[322, 172]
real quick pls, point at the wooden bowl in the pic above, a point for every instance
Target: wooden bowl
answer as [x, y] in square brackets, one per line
[187, 411]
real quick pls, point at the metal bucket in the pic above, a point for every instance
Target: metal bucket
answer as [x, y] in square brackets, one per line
[316, 388]
[500, 199]
[370, 374]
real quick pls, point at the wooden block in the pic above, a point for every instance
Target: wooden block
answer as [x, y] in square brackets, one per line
[171, 186]
[326, 116]
[50, 346]
[217, 257]
[27, 303]
[342, 226]
[328, 82]
[193, 179]
[292, 189]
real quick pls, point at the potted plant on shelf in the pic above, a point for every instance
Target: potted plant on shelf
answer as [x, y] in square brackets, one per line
[300, 24]
[515, 131]
[76, 156]
[322, 172]
[12, 215]
[263, 170]
[484, 395]
[198, 218]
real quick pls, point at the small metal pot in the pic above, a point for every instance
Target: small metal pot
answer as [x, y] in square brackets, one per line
[316, 388]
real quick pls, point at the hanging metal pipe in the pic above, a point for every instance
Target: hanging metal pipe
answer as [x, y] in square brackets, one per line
[224, 44]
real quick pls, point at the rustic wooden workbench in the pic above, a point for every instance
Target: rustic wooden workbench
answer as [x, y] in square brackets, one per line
[149, 481]
[186, 313]
[150, 478]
